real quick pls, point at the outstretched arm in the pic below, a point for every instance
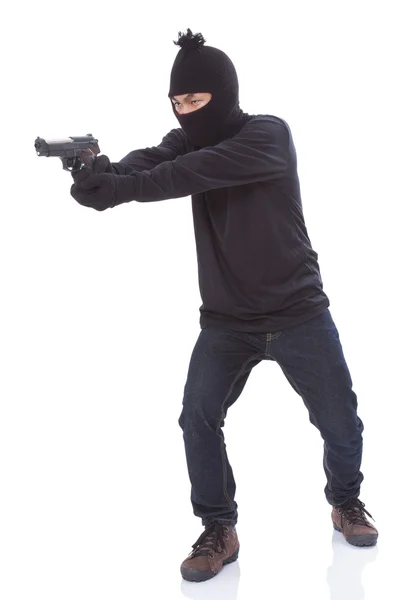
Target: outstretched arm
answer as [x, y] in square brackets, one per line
[259, 152]
[172, 145]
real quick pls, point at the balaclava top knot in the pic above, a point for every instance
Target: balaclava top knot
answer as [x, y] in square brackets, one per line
[200, 69]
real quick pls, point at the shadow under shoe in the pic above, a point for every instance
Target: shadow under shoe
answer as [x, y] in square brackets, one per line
[217, 546]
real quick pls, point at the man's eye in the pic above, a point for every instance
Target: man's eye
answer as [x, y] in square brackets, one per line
[177, 104]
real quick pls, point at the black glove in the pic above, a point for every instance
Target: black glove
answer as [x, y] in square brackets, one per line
[95, 186]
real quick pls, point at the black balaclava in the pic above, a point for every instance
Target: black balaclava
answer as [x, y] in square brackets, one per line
[198, 68]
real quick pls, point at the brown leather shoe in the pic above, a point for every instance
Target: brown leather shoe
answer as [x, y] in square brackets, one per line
[217, 546]
[350, 519]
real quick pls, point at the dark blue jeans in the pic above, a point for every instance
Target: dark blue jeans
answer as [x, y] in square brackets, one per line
[311, 357]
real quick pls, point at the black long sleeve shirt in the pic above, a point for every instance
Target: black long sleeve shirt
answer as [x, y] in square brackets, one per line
[257, 269]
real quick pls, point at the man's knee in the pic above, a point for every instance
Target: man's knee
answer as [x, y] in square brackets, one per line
[198, 412]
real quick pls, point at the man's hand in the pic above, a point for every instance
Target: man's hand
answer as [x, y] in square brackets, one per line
[95, 186]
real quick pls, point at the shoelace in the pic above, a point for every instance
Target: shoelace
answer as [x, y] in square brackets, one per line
[210, 541]
[354, 512]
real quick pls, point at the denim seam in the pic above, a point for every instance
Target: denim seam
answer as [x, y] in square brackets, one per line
[270, 338]
[276, 335]
[294, 383]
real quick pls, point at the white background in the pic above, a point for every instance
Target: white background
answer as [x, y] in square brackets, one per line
[99, 311]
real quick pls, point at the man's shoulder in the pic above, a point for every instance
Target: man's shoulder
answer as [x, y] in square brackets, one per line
[266, 121]
[175, 135]
[177, 138]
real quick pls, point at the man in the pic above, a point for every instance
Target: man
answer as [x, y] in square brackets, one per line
[260, 284]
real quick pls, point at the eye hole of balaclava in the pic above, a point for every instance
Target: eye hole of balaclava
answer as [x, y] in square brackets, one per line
[201, 99]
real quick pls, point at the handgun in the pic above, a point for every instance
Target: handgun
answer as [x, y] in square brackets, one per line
[74, 152]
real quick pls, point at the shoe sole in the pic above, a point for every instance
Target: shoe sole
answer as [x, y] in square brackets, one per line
[195, 575]
[368, 539]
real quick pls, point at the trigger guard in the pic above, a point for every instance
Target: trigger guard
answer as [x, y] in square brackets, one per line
[71, 163]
